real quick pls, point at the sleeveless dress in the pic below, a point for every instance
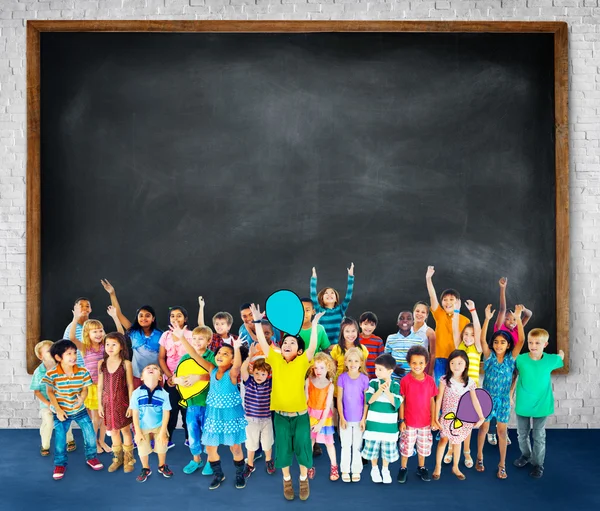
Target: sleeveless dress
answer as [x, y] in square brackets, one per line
[317, 400]
[497, 381]
[452, 396]
[225, 423]
[115, 398]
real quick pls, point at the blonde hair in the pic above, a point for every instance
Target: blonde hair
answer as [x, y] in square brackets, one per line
[203, 330]
[329, 364]
[539, 333]
[41, 345]
[90, 324]
[361, 357]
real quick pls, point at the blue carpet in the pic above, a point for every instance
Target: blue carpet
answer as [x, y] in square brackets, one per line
[570, 482]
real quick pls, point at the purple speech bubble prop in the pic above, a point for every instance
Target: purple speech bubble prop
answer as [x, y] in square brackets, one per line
[466, 412]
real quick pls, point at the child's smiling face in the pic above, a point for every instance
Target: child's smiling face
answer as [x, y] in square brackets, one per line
[224, 357]
[289, 348]
[329, 298]
[417, 364]
[350, 335]
[221, 327]
[177, 318]
[96, 335]
[200, 342]
[420, 313]
[405, 321]
[367, 328]
[468, 336]
[353, 363]
[448, 303]
[500, 345]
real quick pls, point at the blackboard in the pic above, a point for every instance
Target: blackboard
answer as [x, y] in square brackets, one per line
[228, 164]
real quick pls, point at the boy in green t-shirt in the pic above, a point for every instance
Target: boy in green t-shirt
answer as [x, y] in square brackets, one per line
[288, 401]
[535, 400]
[196, 404]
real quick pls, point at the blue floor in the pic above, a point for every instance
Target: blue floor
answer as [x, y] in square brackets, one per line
[571, 481]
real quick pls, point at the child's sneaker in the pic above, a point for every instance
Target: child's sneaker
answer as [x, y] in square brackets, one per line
[288, 489]
[402, 473]
[71, 446]
[423, 473]
[95, 464]
[216, 482]
[304, 489]
[59, 472]
[376, 475]
[186, 443]
[270, 466]
[44, 452]
[144, 474]
[248, 469]
[491, 438]
[165, 471]
[170, 445]
[386, 476]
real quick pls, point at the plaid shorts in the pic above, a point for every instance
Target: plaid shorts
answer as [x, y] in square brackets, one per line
[372, 448]
[421, 436]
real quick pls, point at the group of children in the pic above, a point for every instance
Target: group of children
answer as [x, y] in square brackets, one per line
[294, 390]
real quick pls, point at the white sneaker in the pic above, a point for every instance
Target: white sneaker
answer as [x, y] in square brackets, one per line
[387, 477]
[376, 476]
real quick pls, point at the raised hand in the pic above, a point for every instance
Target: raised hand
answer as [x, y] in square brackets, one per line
[256, 314]
[314, 272]
[351, 270]
[201, 301]
[177, 332]
[317, 317]
[112, 312]
[519, 310]
[239, 342]
[489, 313]
[107, 286]
[502, 282]
[430, 272]
[470, 304]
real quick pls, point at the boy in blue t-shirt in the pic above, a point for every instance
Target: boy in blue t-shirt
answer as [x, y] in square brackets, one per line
[151, 409]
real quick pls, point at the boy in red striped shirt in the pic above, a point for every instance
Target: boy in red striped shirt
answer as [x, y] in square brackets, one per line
[67, 385]
[368, 322]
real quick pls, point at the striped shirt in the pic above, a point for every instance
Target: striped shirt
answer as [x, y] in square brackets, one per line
[257, 400]
[374, 346]
[150, 404]
[474, 360]
[79, 337]
[333, 317]
[398, 345]
[91, 359]
[382, 416]
[68, 387]
[36, 383]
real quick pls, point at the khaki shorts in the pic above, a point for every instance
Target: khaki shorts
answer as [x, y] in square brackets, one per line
[259, 432]
[144, 448]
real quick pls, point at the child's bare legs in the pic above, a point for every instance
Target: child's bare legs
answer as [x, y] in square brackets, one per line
[116, 437]
[237, 452]
[127, 438]
[268, 455]
[439, 454]
[467, 452]
[331, 454]
[162, 459]
[213, 453]
[501, 428]
[481, 436]
[102, 435]
[144, 460]
[456, 452]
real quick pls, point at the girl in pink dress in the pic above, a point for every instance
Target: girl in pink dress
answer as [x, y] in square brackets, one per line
[453, 385]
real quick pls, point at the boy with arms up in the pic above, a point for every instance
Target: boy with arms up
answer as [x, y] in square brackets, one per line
[535, 401]
[288, 401]
[67, 386]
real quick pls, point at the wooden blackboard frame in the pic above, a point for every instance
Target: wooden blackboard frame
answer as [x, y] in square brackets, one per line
[561, 81]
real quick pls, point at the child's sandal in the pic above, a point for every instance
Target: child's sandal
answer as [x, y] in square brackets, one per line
[448, 458]
[334, 474]
[501, 472]
[479, 467]
[468, 462]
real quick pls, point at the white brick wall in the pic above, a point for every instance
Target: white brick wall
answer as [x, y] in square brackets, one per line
[578, 394]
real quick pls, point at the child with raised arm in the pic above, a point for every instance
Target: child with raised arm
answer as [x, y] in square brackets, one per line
[399, 343]
[452, 387]
[288, 401]
[259, 431]
[222, 323]
[374, 344]
[352, 385]
[420, 328]
[115, 387]
[417, 412]
[499, 366]
[67, 385]
[225, 423]
[328, 301]
[82, 308]
[196, 406]
[535, 401]
[469, 341]
[507, 322]
[143, 333]
[442, 313]
[319, 399]
[381, 428]
[42, 352]
[151, 407]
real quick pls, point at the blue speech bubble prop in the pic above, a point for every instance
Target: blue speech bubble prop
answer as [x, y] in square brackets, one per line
[285, 311]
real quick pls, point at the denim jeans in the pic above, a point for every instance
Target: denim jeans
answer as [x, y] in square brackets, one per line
[439, 369]
[60, 437]
[195, 421]
[538, 454]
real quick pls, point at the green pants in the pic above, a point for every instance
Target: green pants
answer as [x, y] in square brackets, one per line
[292, 436]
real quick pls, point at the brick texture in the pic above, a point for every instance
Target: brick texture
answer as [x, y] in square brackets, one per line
[578, 394]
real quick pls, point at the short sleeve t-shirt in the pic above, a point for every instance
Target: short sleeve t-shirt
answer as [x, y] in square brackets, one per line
[150, 405]
[353, 395]
[68, 387]
[417, 396]
[444, 337]
[322, 339]
[175, 350]
[288, 393]
[534, 386]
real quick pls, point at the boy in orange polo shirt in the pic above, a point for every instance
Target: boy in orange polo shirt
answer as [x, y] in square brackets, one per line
[67, 385]
[443, 313]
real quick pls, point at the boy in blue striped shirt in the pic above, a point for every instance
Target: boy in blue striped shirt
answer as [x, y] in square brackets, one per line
[257, 404]
[398, 344]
